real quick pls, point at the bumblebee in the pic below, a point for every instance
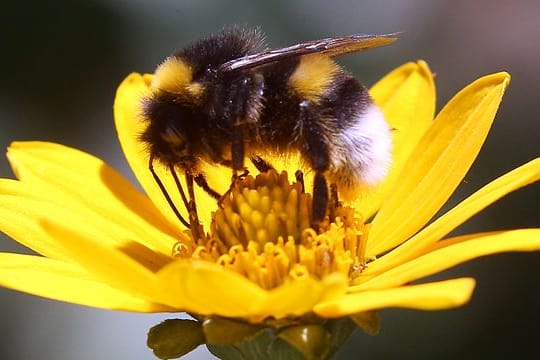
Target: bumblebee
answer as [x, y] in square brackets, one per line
[226, 97]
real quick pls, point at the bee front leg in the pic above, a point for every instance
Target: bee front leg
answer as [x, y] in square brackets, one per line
[237, 154]
[243, 114]
[195, 225]
[200, 180]
[236, 162]
[237, 149]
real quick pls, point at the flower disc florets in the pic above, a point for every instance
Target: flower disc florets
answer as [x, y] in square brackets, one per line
[262, 230]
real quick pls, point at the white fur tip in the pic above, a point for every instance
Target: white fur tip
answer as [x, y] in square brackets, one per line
[373, 125]
[362, 156]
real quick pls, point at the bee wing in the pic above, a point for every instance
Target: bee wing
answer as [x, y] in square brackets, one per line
[330, 46]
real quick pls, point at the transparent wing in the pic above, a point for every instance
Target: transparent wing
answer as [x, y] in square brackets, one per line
[330, 46]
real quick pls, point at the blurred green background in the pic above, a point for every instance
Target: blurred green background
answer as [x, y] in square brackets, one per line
[62, 62]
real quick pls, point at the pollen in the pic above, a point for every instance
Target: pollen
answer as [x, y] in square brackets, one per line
[262, 231]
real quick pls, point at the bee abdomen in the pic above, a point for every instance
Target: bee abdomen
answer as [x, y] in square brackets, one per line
[361, 152]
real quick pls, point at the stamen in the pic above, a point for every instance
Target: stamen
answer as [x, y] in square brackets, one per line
[262, 231]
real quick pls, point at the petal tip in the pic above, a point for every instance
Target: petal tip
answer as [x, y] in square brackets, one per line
[501, 78]
[15, 145]
[424, 70]
[464, 289]
[423, 66]
[409, 67]
[507, 77]
[132, 79]
[133, 83]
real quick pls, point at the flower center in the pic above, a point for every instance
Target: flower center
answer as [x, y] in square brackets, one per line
[262, 230]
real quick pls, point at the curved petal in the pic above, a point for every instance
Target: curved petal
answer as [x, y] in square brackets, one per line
[63, 281]
[207, 288]
[113, 266]
[22, 217]
[407, 99]
[455, 251]
[85, 184]
[438, 163]
[415, 246]
[129, 125]
[297, 298]
[19, 221]
[430, 296]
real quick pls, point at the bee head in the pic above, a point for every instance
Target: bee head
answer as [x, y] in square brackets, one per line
[166, 144]
[172, 113]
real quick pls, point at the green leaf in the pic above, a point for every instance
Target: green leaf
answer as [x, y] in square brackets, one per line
[175, 337]
[367, 321]
[221, 331]
[265, 346]
[313, 341]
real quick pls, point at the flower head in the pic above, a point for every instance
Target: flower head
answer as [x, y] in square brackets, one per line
[102, 243]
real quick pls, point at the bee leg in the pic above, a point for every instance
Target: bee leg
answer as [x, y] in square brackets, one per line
[320, 198]
[192, 209]
[194, 224]
[334, 202]
[299, 176]
[316, 151]
[225, 162]
[200, 180]
[236, 177]
[245, 103]
[228, 163]
[165, 193]
[237, 154]
[236, 162]
[261, 164]
[237, 148]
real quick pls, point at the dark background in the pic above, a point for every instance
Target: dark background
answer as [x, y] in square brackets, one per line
[62, 62]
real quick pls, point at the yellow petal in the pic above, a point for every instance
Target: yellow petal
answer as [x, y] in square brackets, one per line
[438, 163]
[452, 252]
[110, 265]
[430, 296]
[84, 184]
[207, 288]
[22, 224]
[129, 125]
[407, 99]
[23, 217]
[299, 297]
[62, 281]
[515, 179]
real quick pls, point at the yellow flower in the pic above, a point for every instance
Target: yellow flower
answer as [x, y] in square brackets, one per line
[102, 243]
